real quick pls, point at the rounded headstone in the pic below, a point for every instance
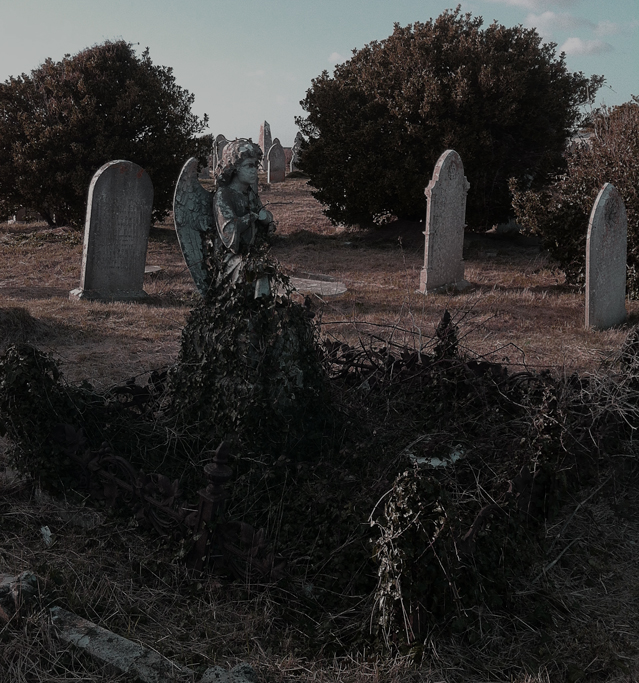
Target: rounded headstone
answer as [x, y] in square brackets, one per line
[116, 233]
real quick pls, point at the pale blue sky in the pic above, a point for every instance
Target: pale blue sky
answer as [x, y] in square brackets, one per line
[252, 60]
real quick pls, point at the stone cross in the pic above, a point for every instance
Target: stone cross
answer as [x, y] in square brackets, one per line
[116, 233]
[606, 247]
[445, 221]
[265, 141]
[276, 163]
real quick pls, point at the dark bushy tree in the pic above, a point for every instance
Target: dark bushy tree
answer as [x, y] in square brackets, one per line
[62, 122]
[559, 212]
[498, 96]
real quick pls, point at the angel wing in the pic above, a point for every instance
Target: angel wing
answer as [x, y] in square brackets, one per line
[193, 216]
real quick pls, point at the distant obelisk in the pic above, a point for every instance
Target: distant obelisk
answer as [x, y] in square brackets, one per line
[265, 142]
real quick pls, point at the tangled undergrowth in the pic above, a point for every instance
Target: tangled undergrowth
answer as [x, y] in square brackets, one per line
[416, 516]
[251, 366]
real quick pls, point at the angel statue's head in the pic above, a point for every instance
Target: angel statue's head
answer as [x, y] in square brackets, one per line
[234, 154]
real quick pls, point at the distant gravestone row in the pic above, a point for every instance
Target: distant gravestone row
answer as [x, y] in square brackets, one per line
[116, 233]
[276, 166]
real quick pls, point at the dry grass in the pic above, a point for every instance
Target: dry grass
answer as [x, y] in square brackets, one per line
[519, 308]
[106, 571]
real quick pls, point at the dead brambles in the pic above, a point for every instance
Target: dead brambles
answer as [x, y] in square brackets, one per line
[463, 468]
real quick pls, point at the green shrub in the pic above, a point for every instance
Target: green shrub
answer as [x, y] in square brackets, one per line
[498, 96]
[559, 213]
[66, 119]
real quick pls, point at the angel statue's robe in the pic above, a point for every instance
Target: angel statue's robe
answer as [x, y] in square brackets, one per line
[237, 230]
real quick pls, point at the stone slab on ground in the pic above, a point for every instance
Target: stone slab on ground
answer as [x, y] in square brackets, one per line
[153, 270]
[322, 285]
[134, 659]
[123, 655]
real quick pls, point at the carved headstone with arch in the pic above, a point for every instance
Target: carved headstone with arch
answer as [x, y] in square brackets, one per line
[445, 221]
[116, 233]
[276, 163]
[606, 251]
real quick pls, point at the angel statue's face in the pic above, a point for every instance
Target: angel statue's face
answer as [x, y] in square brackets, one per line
[247, 171]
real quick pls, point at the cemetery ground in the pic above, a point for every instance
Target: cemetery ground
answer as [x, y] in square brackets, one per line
[518, 312]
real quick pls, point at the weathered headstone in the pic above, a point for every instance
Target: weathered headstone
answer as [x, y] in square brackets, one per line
[288, 157]
[276, 163]
[265, 141]
[296, 149]
[445, 221]
[116, 233]
[606, 248]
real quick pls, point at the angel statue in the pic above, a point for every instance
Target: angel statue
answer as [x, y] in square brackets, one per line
[219, 231]
[250, 363]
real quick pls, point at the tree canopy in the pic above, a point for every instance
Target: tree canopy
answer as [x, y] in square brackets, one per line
[498, 96]
[59, 124]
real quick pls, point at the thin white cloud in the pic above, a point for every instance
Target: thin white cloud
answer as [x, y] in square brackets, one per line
[610, 28]
[549, 22]
[606, 28]
[336, 58]
[578, 46]
[537, 5]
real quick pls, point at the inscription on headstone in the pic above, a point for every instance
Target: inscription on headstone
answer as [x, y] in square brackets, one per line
[116, 233]
[445, 221]
[606, 249]
[265, 141]
[276, 161]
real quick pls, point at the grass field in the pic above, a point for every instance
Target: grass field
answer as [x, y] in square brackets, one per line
[518, 311]
[518, 308]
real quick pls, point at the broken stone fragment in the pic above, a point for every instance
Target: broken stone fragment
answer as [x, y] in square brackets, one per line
[134, 659]
[242, 673]
[15, 593]
[123, 655]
